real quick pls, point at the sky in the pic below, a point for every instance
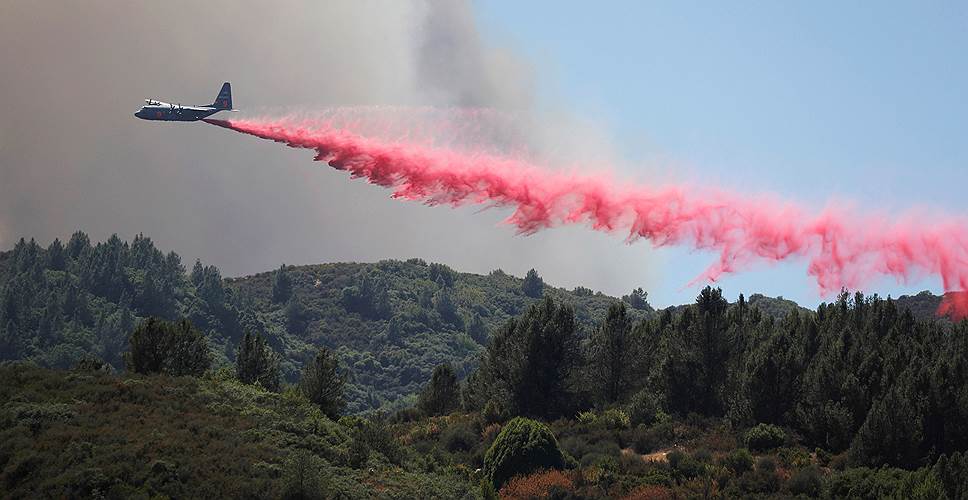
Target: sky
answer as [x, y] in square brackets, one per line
[815, 101]
[812, 101]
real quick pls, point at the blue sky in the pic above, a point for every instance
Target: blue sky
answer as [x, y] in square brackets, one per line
[815, 101]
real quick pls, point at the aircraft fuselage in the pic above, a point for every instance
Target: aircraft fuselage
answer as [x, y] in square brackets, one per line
[155, 110]
[167, 112]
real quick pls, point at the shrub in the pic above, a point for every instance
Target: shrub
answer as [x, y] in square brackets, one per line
[586, 417]
[765, 437]
[806, 482]
[739, 461]
[683, 466]
[614, 419]
[766, 464]
[300, 478]
[538, 485]
[459, 437]
[176, 349]
[643, 408]
[523, 446]
[650, 492]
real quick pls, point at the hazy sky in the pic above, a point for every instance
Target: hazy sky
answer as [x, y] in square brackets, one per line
[831, 101]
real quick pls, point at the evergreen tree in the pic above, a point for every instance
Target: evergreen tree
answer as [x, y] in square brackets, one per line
[257, 363]
[533, 285]
[477, 330]
[56, 256]
[440, 396]
[281, 285]
[175, 349]
[531, 363]
[323, 385]
[637, 299]
[612, 356]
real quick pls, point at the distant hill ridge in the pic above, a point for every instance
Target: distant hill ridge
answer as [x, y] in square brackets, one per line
[391, 322]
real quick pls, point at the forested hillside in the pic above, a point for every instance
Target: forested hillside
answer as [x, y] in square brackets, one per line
[390, 322]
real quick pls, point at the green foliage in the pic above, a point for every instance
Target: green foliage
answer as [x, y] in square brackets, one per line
[765, 437]
[281, 285]
[323, 385]
[440, 396]
[523, 446]
[208, 437]
[176, 349]
[612, 357]
[532, 362]
[533, 285]
[255, 363]
[614, 418]
[738, 461]
[301, 477]
[57, 315]
[638, 299]
[643, 407]
[806, 481]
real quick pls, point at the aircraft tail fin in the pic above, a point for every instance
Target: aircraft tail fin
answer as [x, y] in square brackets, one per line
[224, 99]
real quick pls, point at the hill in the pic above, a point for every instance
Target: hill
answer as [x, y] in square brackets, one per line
[391, 322]
[83, 434]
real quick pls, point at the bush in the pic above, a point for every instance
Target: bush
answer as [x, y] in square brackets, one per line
[459, 438]
[586, 417]
[683, 466]
[739, 461]
[522, 447]
[543, 484]
[643, 408]
[765, 437]
[614, 419]
[806, 482]
[176, 349]
[300, 478]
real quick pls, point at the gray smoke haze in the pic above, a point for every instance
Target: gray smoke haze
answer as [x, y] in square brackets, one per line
[72, 156]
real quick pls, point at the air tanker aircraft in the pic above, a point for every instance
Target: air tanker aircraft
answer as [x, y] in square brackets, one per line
[157, 110]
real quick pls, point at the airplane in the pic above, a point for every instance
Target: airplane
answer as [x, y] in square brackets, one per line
[163, 111]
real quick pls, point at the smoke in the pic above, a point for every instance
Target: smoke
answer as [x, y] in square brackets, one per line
[73, 157]
[844, 250]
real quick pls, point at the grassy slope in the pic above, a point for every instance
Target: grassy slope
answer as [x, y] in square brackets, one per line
[70, 434]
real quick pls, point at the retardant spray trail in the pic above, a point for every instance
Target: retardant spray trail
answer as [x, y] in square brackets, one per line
[844, 250]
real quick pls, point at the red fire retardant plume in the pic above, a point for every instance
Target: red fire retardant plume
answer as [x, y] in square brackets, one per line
[844, 250]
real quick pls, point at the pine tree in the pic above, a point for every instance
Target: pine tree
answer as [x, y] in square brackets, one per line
[611, 357]
[440, 396]
[257, 363]
[323, 385]
[281, 285]
[533, 285]
[175, 349]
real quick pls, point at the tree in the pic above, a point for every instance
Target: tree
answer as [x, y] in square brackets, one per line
[175, 349]
[531, 362]
[477, 330]
[257, 363]
[612, 356]
[295, 315]
[56, 256]
[281, 285]
[523, 446]
[637, 299]
[440, 396]
[323, 385]
[533, 285]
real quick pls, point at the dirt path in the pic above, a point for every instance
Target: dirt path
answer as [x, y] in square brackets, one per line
[656, 456]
